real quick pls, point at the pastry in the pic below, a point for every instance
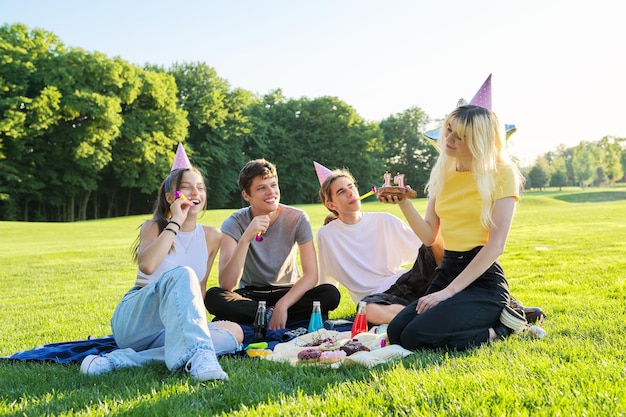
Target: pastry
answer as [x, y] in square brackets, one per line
[400, 192]
[332, 356]
[354, 346]
[309, 355]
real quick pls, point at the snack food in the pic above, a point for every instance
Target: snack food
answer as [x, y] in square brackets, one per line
[354, 346]
[258, 352]
[309, 355]
[330, 345]
[400, 192]
[319, 342]
[332, 356]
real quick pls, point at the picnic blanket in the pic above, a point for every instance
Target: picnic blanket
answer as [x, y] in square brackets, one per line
[77, 350]
[380, 352]
[66, 352]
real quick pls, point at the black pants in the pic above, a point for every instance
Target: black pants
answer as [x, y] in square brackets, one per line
[412, 284]
[460, 321]
[240, 305]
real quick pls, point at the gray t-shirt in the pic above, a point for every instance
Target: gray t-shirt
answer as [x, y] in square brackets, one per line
[272, 261]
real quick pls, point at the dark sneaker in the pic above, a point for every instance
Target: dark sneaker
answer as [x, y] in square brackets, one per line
[533, 315]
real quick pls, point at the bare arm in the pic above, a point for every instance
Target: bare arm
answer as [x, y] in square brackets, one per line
[426, 228]
[213, 238]
[154, 247]
[308, 280]
[502, 216]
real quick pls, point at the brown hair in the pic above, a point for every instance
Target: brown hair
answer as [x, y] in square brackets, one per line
[256, 168]
[161, 212]
[326, 193]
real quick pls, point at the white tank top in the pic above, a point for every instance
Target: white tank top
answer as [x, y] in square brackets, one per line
[189, 249]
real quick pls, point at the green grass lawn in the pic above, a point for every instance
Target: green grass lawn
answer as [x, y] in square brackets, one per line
[566, 254]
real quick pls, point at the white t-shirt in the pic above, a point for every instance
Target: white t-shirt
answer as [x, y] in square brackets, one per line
[189, 250]
[366, 257]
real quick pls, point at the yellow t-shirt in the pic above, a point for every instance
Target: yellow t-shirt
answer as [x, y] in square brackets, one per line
[458, 206]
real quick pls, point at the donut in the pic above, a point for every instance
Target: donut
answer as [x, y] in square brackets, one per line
[400, 192]
[332, 356]
[309, 355]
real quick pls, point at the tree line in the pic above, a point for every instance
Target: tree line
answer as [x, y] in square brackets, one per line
[588, 164]
[86, 136]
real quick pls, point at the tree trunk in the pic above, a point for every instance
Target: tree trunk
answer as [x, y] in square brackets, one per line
[130, 193]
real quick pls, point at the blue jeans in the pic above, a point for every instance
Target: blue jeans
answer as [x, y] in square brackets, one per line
[165, 321]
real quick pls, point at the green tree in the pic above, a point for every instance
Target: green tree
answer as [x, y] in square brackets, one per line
[218, 125]
[28, 108]
[558, 170]
[558, 179]
[143, 152]
[611, 155]
[323, 129]
[78, 147]
[407, 150]
[62, 115]
[583, 163]
[539, 174]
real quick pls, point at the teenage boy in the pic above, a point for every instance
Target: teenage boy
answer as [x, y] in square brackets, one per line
[258, 257]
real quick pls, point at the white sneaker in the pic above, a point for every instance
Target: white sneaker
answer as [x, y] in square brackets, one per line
[204, 366]
[536, 332]
[95, 365]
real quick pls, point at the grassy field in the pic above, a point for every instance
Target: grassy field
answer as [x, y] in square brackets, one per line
[566, 254]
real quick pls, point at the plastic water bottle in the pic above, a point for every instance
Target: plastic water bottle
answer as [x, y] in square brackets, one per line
[260, 323]
[316, 318]
[360, 321]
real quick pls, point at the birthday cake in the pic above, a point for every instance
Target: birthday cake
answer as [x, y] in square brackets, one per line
[399, 190]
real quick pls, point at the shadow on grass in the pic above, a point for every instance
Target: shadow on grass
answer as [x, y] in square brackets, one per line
[33, 388]
[592, 197]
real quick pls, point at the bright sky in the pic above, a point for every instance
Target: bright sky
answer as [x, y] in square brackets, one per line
[558, 66]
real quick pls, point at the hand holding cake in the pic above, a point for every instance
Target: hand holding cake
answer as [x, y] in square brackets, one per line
[399, 190]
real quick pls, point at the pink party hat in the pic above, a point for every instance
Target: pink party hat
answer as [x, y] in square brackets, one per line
[322, 172]
[181, 160]
[483, 96]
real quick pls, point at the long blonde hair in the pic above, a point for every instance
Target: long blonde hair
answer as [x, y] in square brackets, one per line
[480, 130]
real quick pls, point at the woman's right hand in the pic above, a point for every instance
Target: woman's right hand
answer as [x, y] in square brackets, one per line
[179, 210]
[391, 199]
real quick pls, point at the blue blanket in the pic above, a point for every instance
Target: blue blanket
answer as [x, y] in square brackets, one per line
[66, 352]
[77, 350]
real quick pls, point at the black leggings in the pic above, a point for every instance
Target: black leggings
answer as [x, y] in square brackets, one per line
[240, 305]
[460, 321]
